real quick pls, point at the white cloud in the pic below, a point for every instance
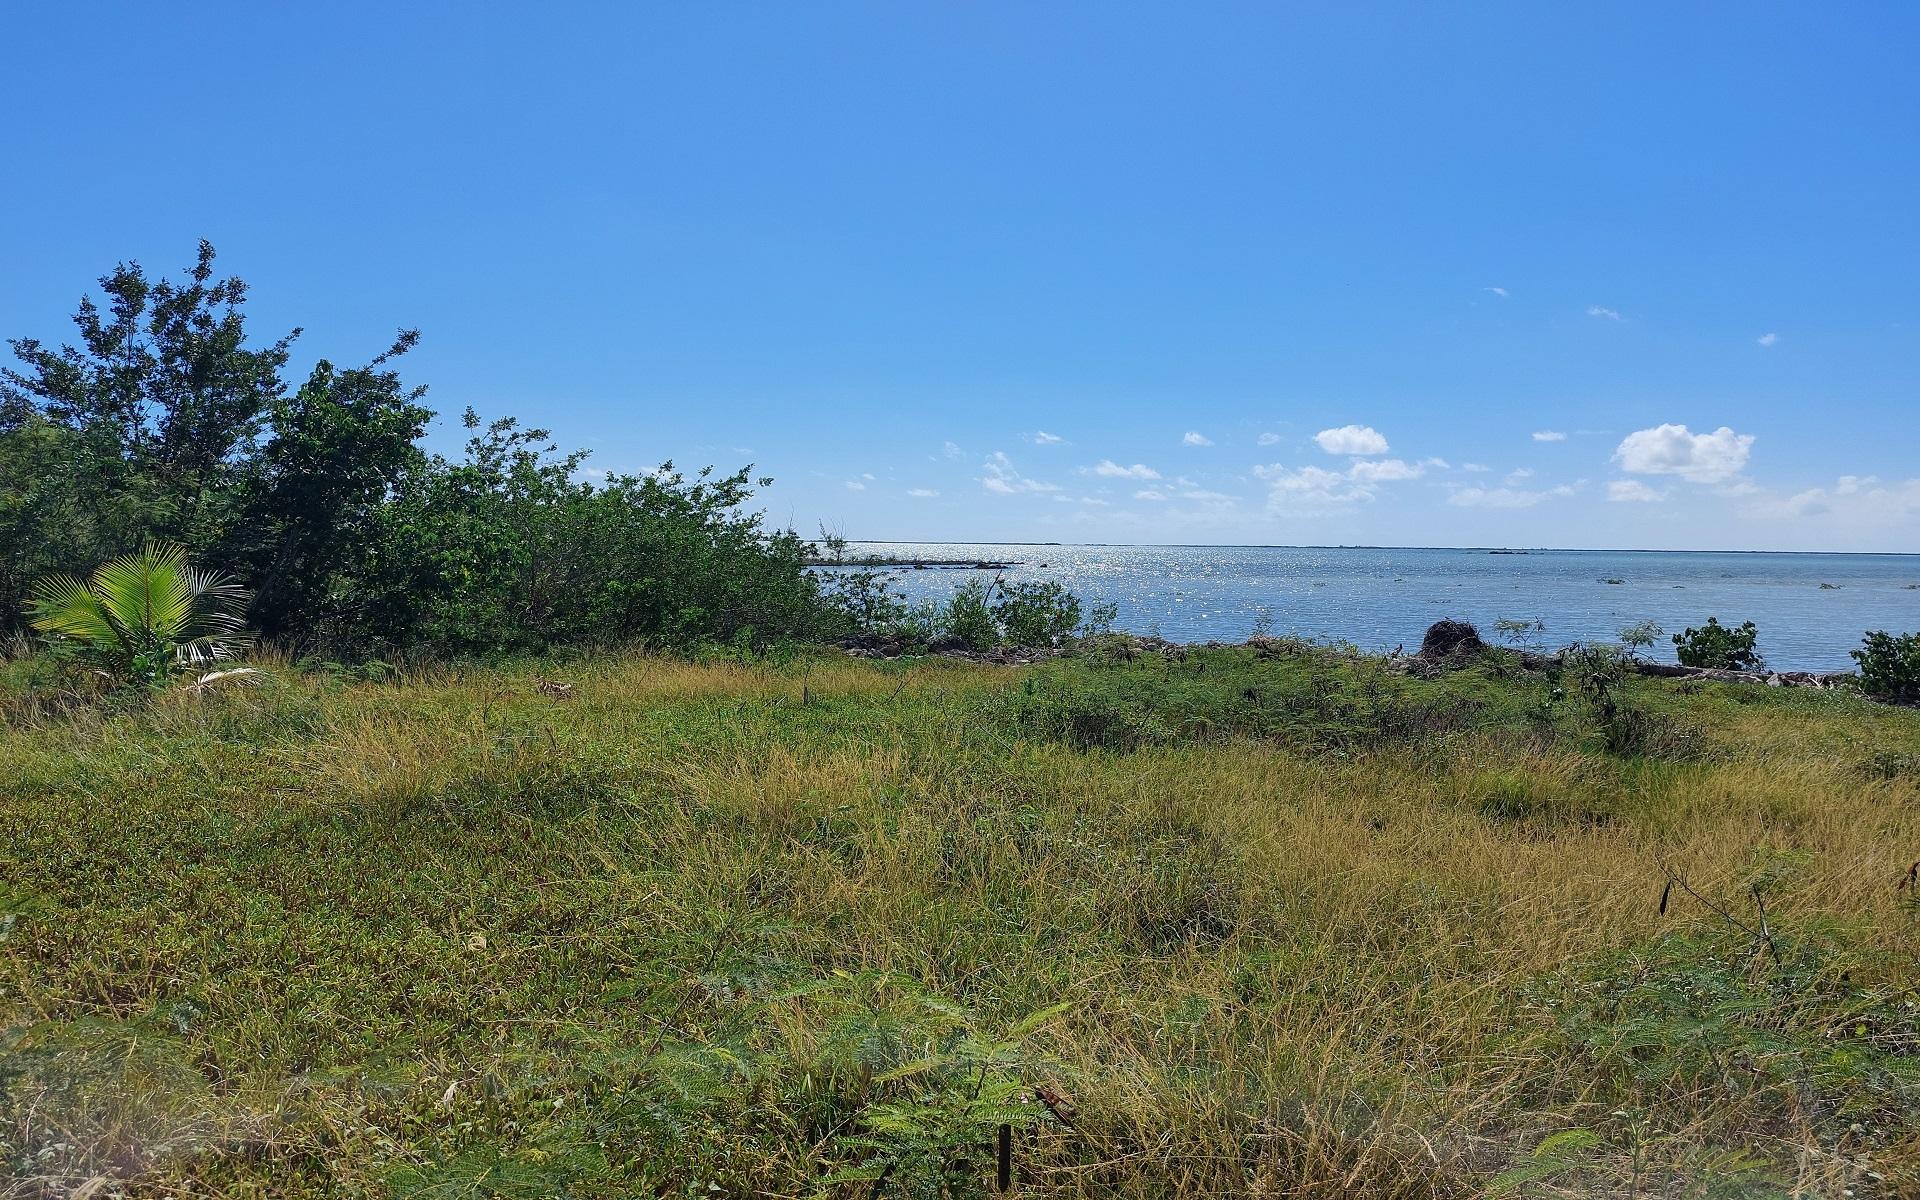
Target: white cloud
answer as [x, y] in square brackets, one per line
[1695, 457]
[1633, 491]
[1500, 292]
[1505, 497]
[923, 493]
[1319, 487]
[1519, 473]
[1268, 439]
[1149, 494]
[1309, 486]
[1609, 314]
[952, 451]
[1352, 439]
[1549, 435]
[1003, 479]
[1113, 470]
[1767, 339]
[1384, 470]
[1436, 463]
[1196, 439]
[854, 485]
[1043, 438]
[867, 475]
[1094, 500]
[1475, 467]
[1854, 502]
[1206, 497]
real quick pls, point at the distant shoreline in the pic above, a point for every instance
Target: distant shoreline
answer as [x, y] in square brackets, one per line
[1280, 546]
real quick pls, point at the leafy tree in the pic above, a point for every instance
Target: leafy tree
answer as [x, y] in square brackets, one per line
[1889, 665]
[341, 445]
[1036, 613]
[1641, 635]
[865, 599]
[163, 423]
[966, 621]
[161, 398]
[144, 618]
[1718, 646]
[509, 549]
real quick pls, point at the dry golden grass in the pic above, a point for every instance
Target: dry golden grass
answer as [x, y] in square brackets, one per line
[451, 936]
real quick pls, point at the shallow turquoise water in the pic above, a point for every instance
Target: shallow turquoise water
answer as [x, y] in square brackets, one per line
[1382, 598]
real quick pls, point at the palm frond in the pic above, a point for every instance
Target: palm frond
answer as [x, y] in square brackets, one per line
[216, 588]
[148, 608]
[65, 607]
[212, 647]
[219, 679]
[145, 591]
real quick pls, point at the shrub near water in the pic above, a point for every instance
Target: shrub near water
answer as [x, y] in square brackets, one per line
[1721, 647]
[1889, 665]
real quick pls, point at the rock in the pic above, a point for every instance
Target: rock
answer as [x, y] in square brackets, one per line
[1449, 639]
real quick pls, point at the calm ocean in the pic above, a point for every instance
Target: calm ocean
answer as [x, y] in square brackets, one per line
[1379, 599]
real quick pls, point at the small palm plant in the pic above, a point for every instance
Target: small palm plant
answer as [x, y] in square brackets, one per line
[143, 619]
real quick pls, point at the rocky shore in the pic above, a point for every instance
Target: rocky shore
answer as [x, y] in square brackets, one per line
[1447, 645]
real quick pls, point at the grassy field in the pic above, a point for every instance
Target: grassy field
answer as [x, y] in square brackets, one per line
[1275, 923]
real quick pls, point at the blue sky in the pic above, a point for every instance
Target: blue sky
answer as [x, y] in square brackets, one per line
[1640, 275]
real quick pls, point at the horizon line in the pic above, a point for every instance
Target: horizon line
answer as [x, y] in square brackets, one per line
[1367, 546]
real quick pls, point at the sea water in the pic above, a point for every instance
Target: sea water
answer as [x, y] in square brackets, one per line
[1810, 608]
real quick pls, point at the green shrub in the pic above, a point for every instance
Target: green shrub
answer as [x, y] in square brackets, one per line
[1519, 633]
[966, 620]
[1036, 613]
[864, 599]
[1722, 647]
[143, 619]
[164, 424]
[1767, 1017]
[1889, 665]
[1641, 635]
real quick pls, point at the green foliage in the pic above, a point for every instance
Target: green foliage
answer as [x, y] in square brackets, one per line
[864, 599]
[165, 424]
[140, 433]
[1518, 633]
[966, 620]
[977, 616]
[1722, 647]
[720, 930]
[1776, 1022]
[1100, 619]
[144, 618]
[1642, 635]
[915, 1085]
[508, 549]
[1889, 665]
[1312, 697]
[310, 503]
[1599, 674]
[1556, 1155]
[488, 1173]
[1037, 613]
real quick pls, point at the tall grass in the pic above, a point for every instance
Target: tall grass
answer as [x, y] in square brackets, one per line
[729, 928]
